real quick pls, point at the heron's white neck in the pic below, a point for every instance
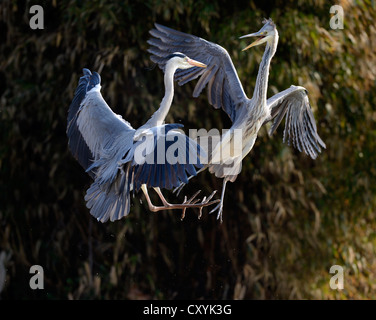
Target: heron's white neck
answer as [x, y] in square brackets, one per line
[159, 116]
[261, 88]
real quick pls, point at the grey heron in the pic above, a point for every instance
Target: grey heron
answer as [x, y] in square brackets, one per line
[106, 146]
[225, 91]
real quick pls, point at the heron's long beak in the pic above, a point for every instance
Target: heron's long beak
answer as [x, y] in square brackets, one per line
[197, 63]
[255, 43]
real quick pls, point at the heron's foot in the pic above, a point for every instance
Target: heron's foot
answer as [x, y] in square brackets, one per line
[204, 203]
[219, 207]
[190, 203]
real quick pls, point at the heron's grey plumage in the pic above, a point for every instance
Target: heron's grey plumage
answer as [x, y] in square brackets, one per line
[106, 146]
[224, 87]
[226, 91]
[300, 125]
[76, 142]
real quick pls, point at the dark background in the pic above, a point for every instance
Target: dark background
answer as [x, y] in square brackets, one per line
[287, 218]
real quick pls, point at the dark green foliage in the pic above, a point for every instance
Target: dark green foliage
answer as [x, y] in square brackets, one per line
[287, 219]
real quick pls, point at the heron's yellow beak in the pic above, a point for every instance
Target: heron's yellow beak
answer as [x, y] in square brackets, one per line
[260, 40]
[196, 63]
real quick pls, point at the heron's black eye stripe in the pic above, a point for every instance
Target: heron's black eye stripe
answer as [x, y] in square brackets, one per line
[175, 55]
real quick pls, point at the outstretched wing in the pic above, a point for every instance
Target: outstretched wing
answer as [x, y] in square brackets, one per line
[163, 157]
[92, 126]
[224, 87]
[76, 142]
[300, 125]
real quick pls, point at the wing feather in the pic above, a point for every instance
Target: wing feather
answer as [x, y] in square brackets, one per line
[220, 73]
[300, 125]
[167, 175]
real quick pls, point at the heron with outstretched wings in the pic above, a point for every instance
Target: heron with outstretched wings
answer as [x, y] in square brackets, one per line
[225, 91]
[122, 159]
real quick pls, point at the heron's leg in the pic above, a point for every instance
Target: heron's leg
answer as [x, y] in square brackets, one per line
[219, 207]
[151, 206]
[161, 196]
[191, 203]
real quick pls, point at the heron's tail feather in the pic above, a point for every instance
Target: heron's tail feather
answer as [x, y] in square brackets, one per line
[110, 201]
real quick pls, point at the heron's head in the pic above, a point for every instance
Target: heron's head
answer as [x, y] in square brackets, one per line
[265, 34]
[181, 61]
